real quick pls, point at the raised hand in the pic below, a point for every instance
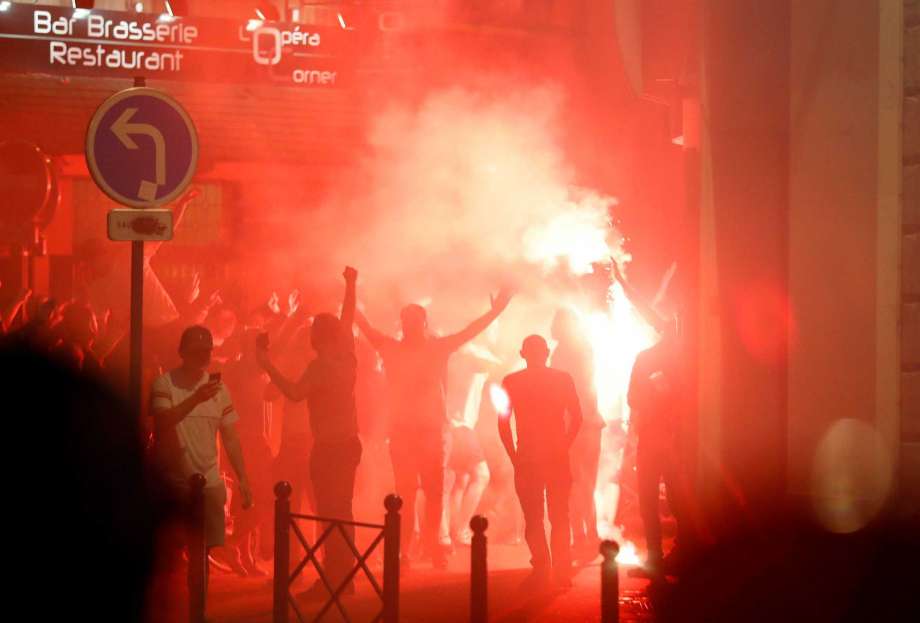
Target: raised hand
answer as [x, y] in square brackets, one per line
[500, 301]
[293, 302]
[350, 274]
[274, 303]
[195, 289]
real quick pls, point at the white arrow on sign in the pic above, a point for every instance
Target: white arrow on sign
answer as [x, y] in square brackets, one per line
[123, 129]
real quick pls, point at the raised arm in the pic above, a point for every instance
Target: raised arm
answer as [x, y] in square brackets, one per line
[650, 315]
[198, 310]
[151, 248]
[10, 313]
[293, 390]
[110, 335]
[168, 414]
[288, 331]
[294, 318]
[378, 340]
[499, 303]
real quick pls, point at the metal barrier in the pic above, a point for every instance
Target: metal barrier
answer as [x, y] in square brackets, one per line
[197, 551]
[285, 520]
[610, 583]
[479, 571]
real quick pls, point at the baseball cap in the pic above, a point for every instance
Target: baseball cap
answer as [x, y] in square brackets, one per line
[196, 337]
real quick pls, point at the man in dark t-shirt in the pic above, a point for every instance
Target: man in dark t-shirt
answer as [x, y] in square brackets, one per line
[540, 398]
[328, 385]
[655, 390]
[416, 369]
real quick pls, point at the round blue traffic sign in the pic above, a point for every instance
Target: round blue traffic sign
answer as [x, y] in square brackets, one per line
[141, 148]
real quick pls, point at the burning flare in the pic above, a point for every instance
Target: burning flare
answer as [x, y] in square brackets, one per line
[581, 238]
[500, 401]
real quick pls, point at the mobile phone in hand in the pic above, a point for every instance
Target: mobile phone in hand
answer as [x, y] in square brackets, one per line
[214, 377]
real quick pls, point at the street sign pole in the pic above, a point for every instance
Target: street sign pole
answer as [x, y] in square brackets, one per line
[141, 150]
[137, 324]
[135, 390]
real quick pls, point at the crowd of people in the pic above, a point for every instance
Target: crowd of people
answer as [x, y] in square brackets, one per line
[229, 384]
[348, 413]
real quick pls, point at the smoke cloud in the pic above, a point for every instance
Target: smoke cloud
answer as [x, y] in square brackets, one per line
[456, 195]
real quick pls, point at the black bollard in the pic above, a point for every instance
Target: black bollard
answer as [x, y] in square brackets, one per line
[610, 583]
[479, 571]
[281, 581]
[197, 551]
[391, 528]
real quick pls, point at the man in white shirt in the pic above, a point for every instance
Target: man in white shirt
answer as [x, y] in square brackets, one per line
[189, 409]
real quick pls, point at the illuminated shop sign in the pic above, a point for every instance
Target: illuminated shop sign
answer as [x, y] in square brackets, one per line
[37, 39]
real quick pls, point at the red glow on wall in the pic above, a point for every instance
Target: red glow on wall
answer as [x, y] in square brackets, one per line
[765, 321]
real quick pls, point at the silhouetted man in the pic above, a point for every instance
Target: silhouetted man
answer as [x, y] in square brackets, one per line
[247, 381]
[416, 367]
[540, 398]
[328, 385]
[78, 331]
[654, 397]
[189, 410]
[91, 472]
[574, 354]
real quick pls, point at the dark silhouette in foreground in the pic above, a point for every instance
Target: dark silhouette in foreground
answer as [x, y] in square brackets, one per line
[80, 507]
[788, 568]
[656, 389]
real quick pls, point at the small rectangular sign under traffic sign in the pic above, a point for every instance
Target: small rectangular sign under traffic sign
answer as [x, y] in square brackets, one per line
[138, 224]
